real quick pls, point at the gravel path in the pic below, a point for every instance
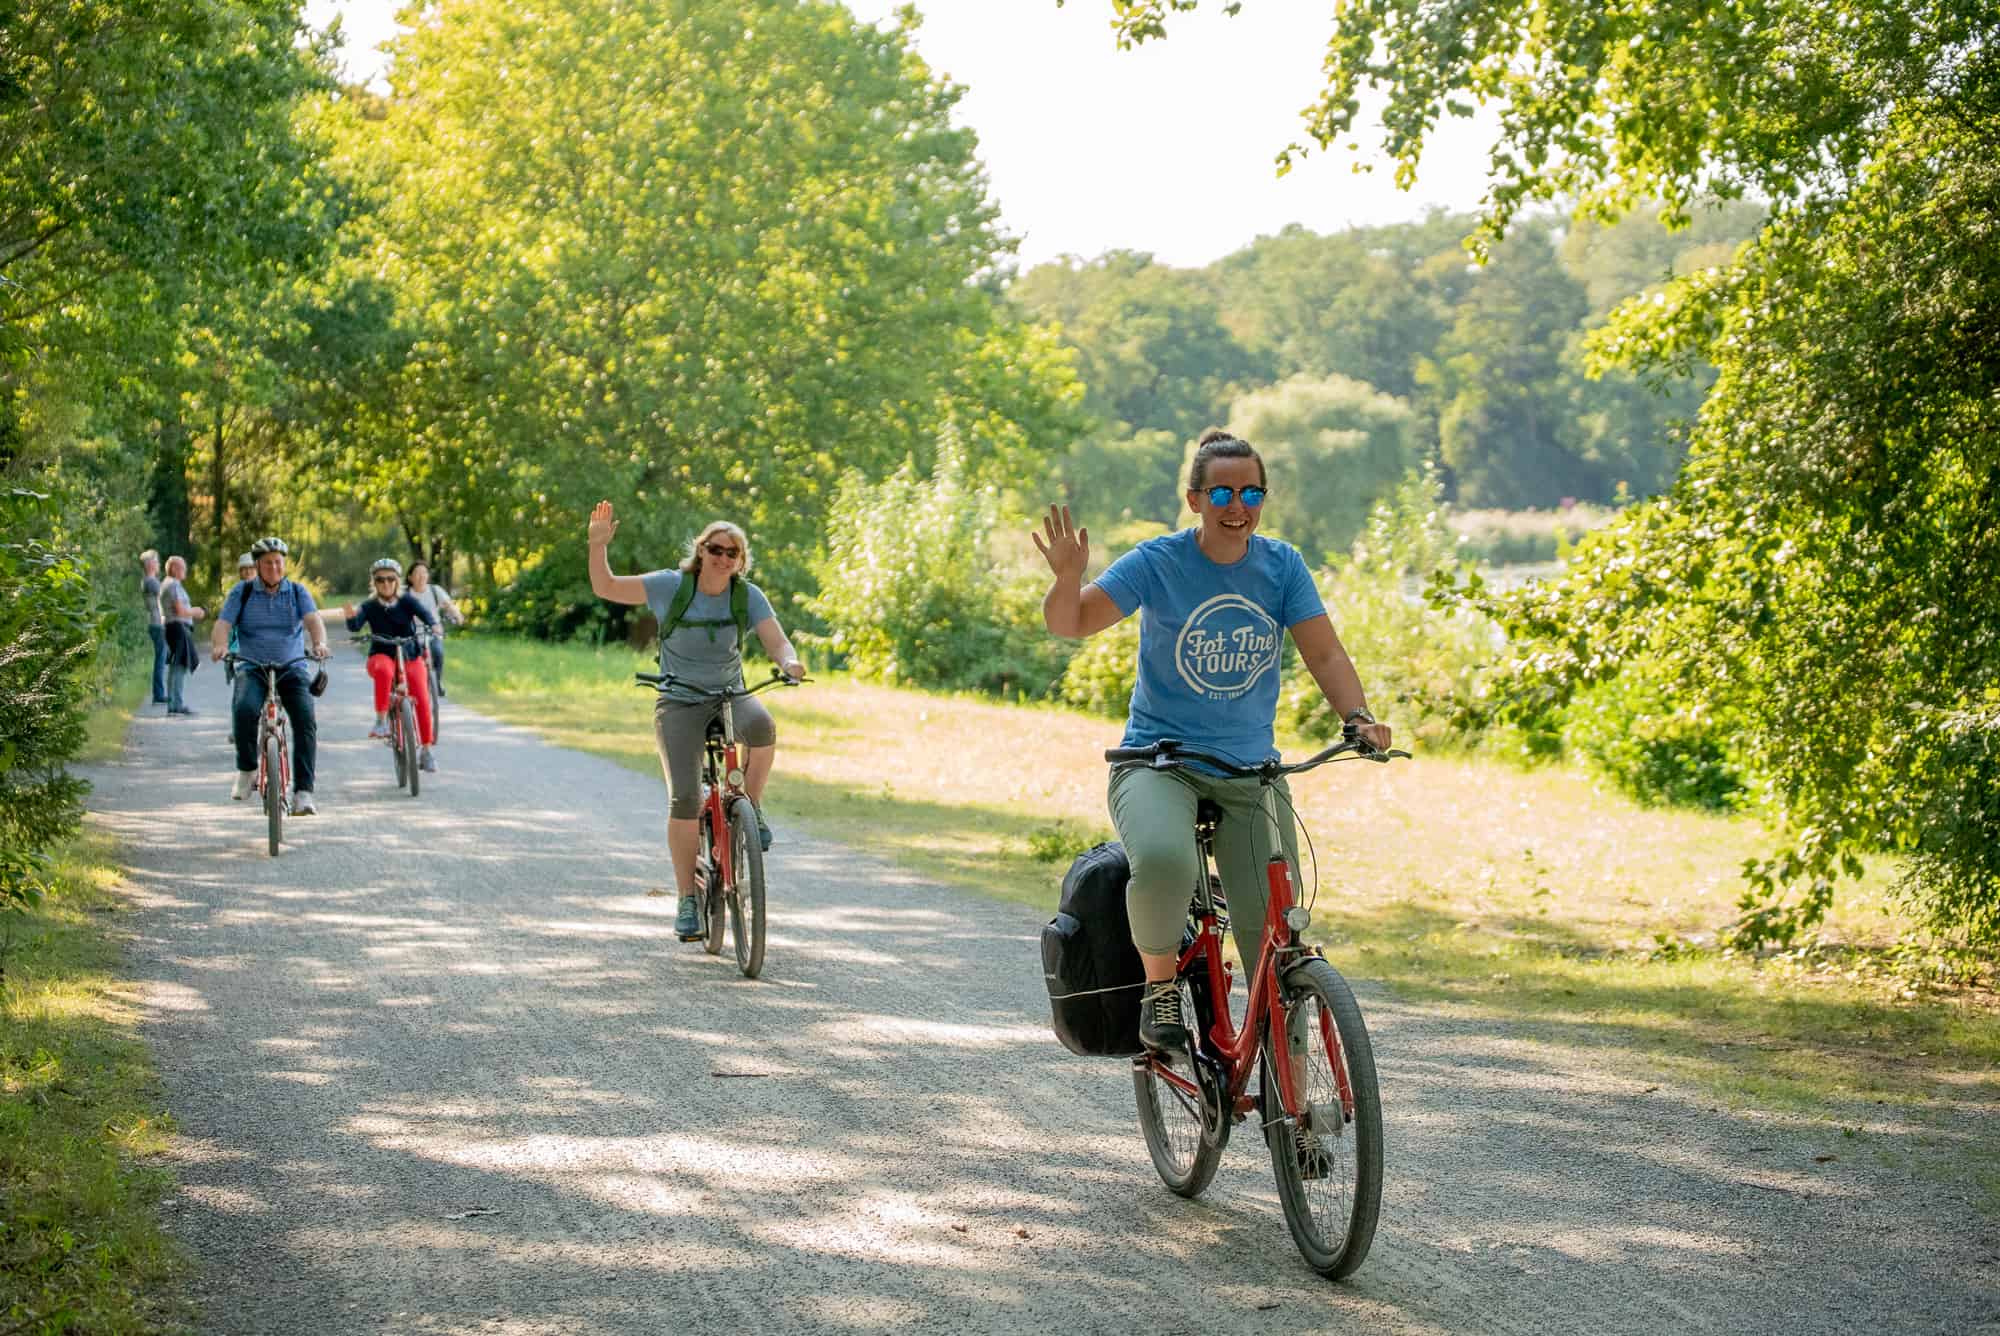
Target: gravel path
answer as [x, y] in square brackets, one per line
[443, 1067]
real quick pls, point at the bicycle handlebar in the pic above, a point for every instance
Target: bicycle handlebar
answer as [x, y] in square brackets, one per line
[233, 659]
[1170, 753]
[667, 681]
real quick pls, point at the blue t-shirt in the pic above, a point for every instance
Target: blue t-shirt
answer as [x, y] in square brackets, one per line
[1209, 640]
[270, 626]
[704, 655]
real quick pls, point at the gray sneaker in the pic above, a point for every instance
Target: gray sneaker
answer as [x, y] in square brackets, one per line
[687, 923]
[424, 761]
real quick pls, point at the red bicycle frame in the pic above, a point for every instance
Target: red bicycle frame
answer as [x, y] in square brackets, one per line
[1238, 1049]
[722, 787]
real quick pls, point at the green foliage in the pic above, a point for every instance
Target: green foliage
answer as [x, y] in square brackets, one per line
[1153, 348]
[1496, 376]
[909, 592]
[1820, 566]
[47, 629]
[1101, 674]
[1062, 841]
[1415, 659]
[702, 258]
[1333, 447]
[1630, 728]
[1135, 473]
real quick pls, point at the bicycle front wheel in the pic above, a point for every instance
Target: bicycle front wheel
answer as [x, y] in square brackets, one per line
[1328, 1160]
[1171, 1119]
[274, 792]
[406, 751]
[708, 885]
[746, 905]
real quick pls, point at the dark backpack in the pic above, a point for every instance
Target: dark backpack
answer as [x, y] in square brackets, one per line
[739, 610]
[1088, 961]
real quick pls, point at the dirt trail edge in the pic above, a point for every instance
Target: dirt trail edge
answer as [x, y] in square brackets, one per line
[442, 1066]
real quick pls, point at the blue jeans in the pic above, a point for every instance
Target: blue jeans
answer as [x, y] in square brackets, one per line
[177, 677]
[295, 694]
[159, 663]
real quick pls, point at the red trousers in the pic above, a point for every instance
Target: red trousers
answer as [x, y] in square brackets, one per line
[382, 668]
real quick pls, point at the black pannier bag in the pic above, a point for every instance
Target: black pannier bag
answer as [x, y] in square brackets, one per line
[1088, 961]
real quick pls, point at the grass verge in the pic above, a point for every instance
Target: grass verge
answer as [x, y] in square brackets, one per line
[1533, 896]
[80, 1244]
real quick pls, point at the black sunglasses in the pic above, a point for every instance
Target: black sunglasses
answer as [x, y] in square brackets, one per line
[718, 550]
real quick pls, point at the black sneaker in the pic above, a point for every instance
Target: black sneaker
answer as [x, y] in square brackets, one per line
[763, 828]
[1314, 1159]
[1161, 1024]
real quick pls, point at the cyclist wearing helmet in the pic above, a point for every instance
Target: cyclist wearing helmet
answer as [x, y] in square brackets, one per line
[270, 619]
[394, 615]
[246, 571]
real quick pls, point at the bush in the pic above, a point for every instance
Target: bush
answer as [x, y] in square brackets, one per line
[1629, 728]
[1100, 676]
[49, 632]
[910, 593]
[1418, 662]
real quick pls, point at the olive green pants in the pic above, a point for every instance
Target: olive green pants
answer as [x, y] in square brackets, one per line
[1154, 813]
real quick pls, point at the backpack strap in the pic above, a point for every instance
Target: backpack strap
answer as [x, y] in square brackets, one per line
[739, 610]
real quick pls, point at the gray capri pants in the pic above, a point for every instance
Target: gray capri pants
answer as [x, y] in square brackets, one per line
[678, 731]
[1154, 813]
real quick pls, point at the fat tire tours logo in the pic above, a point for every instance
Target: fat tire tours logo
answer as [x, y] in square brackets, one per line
[1226, 646]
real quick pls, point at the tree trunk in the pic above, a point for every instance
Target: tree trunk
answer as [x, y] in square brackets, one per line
[219, 477]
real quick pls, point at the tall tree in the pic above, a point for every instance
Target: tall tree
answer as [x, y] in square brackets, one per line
[703, 255]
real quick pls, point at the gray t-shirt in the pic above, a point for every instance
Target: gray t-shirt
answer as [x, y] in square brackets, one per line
[430, 596]
[704, 656]
[149, 590]
[172, 595]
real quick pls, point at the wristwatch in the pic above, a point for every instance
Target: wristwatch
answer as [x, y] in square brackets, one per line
[1361, 714]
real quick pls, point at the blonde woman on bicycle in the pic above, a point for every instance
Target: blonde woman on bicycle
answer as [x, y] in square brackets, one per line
[704, 607]
[1215, 601]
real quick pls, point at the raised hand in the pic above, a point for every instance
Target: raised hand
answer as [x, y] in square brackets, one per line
[1064, 546]
[603, 525]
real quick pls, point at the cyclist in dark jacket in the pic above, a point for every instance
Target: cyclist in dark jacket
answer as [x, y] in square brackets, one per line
[389, 616]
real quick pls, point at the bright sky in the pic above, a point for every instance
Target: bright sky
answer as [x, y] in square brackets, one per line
[1167, 148]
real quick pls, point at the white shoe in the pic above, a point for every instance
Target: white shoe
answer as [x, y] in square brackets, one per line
[302, 804]
[246, 780]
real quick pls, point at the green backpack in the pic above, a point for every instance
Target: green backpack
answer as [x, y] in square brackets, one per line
[739, 611]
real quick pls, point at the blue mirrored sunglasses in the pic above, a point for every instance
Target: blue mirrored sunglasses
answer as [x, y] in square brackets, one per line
[1253, 497]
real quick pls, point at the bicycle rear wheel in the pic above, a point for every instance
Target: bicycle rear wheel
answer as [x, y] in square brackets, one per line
[1328, 1162]
[406, 748]
[746, 904]
[1171, 1119]
[274, 791]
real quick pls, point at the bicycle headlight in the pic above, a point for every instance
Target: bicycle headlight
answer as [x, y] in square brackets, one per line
[1298, 918]
[736, 779]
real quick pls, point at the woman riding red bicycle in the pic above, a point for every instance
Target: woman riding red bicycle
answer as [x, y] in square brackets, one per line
[705, 608]
[392, 615]
[1216, 601]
